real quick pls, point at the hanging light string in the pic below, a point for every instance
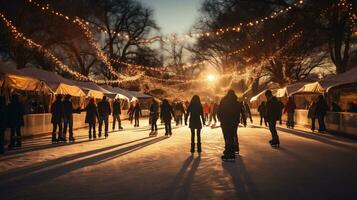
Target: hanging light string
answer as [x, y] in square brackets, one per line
[83, 25]
[63, 67]
[194, 35]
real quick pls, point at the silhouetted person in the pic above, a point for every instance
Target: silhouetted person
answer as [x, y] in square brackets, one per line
[154, 116]
[91, 118]
[104, 111]
[179, 113]
[247, 113]
[15, 116]
[57, 119]
[312, 114]
[116, 114]
[68, 117]
[321, 111]
[290, 110]
[335, 107]
[280, 110]
[131, 112]
[137, 114]
[273, 115]
[229, 113]
[195, 112]
[213, 110]
[206, 111]
[262, 109]
[166, 114]
[3, 123]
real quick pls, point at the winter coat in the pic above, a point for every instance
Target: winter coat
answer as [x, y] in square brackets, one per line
[68, 109]
[273, 107]
[196, 114]
[247, 109]
[137, 111]
[116, 108]
[206, 108]
[321, 108]
[154, 111]
[179, 109]
[230, 110]
[262, 110]
[3, 118]
[214, 108]
[104, 109]
[290, 107]
[92, 114]
[312, 111]
[166, 113]
[15, 114]
[57, 112]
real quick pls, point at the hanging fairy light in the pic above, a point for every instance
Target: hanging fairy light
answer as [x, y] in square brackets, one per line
[63, 67]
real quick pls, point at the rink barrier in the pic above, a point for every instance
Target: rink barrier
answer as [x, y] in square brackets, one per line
[336, 122]
[40, 124]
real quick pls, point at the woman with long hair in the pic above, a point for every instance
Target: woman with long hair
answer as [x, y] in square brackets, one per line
[195, 112]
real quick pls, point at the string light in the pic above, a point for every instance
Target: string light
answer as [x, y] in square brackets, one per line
[78, 76]
[170, 38]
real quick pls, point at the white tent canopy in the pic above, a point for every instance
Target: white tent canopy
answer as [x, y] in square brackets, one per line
[289, 90]
[329, 82]
[56, 82]
[118, 94]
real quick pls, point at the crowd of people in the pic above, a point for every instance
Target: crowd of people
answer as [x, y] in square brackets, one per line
[230, 112]
[317, 110]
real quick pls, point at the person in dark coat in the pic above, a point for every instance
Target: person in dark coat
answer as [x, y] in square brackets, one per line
[280, 110]
[57, 112]
[137, 114]
[273, 115]
[312, 114]
[290, 110]
[166, 115]
[3, 124]
[131, 112]
[179, 113]
[15, 117]
[104, 111]
[321, 111]
[116, 114]
[68, 118]
[154, 116]
[262, 113]
[229, 114]
[195, 112]
[91, 118]
[247, 113]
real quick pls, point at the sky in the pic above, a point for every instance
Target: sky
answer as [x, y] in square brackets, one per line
[174, 16]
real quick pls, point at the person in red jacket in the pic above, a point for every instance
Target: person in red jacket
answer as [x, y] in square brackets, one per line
[206, 111]
[290, 107]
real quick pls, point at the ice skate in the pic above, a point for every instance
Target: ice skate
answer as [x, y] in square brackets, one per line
[228, 158]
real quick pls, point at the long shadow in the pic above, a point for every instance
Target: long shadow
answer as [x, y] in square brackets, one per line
[32, 148]
[319, 138]
[187, 183]
[46, 164]
[179, 177]
[243, 184]
[42, 176]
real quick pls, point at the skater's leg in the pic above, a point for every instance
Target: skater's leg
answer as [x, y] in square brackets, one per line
[94, 131]
[274, 133]
[192, 140]
[199, 149]
[106, 124]
[313, 120]
[60, 131]
[65, 127]
[18, 136]
[114, 121]
[2, 141]
[54, 130]
[169, 127]
[100, 127]
[70, 124]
